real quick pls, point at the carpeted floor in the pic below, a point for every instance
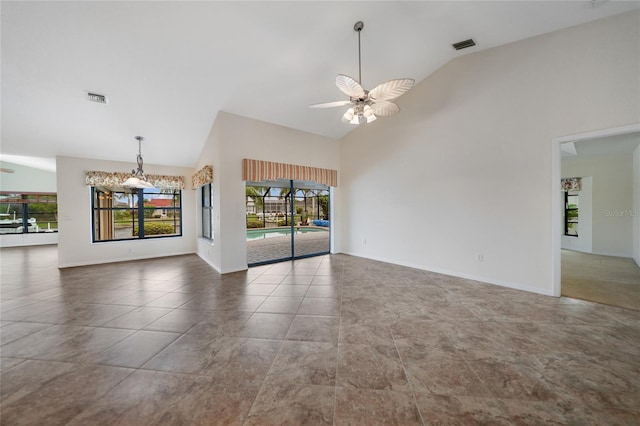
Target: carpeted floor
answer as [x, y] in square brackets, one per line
[604, 279]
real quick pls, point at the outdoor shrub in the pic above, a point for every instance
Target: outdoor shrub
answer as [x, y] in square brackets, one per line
[156, 229]
[254, 223]
[282, 223]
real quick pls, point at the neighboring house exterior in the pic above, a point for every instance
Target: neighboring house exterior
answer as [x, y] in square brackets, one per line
[161, 205]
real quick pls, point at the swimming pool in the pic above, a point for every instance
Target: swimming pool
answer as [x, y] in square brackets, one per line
[259, 234]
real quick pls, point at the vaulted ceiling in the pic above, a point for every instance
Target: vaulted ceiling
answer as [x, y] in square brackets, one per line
[167, 68]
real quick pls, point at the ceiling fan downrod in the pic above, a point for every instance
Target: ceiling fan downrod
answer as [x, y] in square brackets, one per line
[358, 26]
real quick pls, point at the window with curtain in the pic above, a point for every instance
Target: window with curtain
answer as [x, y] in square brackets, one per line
[206, 193]
[119, 214]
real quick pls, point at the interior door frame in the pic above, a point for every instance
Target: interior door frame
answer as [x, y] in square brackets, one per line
[556, 205]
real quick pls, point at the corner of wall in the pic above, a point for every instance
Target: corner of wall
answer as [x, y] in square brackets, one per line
[636, 205]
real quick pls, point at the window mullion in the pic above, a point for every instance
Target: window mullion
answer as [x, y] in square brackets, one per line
[140, 213]
[25, 218]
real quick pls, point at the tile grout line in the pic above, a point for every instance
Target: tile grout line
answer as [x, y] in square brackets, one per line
[335, 386]
[264, 379]
[406, 375]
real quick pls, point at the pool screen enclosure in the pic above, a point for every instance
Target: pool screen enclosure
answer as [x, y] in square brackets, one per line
[294, 218]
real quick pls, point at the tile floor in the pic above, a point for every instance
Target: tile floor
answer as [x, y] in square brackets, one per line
[610, 280]
[327, 340]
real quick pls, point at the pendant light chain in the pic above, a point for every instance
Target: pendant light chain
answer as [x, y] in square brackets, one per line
[139, 172]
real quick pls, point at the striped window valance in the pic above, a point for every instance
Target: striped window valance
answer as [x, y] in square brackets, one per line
[257, 170]
[202, 177]
[571, 184]
[115, 180]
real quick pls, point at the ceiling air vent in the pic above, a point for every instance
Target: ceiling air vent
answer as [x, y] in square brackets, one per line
[97, 98]
[464, 44]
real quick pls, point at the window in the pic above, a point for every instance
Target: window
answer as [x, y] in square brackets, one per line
[570, 214]
[207, 211]
[140, 213]
[28, 213]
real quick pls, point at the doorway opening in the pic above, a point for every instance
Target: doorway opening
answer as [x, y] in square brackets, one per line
[596, 216]
[286, 220]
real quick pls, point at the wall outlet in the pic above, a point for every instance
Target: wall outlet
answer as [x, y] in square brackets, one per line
[479, 257]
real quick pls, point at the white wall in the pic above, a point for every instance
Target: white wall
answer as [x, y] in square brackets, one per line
[27, 179]
[584, 241]
[74, 212]
[210, 155]
[636, 205]
[233, 138]
[612, 226]
[465, 168]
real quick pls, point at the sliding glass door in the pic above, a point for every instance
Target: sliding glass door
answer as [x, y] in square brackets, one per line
[311, 219]
[286, 220]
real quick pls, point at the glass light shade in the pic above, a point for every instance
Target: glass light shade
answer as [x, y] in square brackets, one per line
[358, 119]
[135, 182]
[348, 116]
[367, 111]
[371, 118]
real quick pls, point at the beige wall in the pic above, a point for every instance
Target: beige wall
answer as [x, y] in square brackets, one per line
[465, 168]
[233, 138]
[74, 213]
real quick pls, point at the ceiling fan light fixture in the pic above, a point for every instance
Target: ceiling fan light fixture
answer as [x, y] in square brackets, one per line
[366, 105]
[348, 116]
[368, 114]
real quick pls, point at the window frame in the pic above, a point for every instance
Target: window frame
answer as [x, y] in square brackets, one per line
[207, 211]
[24, 199]
[137, 217]
[567, 209]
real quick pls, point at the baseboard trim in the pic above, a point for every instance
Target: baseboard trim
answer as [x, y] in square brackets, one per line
[601, 253]
[236, 269]
[488, 280]
[118, 260]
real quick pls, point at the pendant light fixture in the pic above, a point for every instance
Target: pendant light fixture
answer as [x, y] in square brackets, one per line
[138, 179]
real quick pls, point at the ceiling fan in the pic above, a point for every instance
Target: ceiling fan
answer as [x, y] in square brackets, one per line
[366, 105]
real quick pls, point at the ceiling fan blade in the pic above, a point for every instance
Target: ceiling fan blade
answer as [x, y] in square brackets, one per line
[349, 86]
[391, 89]
[385, 108]
[330, 104]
